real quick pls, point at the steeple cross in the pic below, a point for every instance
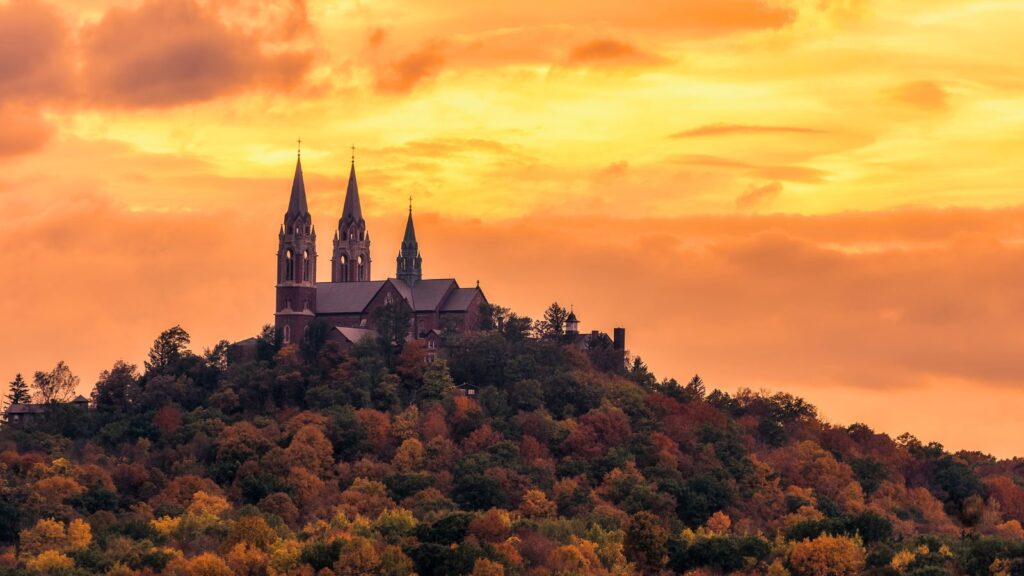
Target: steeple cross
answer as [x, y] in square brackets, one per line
[300, 146]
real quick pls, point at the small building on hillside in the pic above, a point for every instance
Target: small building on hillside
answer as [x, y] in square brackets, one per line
[26, 414]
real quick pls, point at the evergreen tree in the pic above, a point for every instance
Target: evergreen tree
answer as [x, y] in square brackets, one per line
[18, 392]
[552, 326]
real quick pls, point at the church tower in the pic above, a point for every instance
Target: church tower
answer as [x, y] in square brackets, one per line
[351, 259]
[296, 266]
[410, 263]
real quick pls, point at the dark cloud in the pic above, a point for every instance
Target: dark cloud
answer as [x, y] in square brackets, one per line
[170, 52]
[35, 52]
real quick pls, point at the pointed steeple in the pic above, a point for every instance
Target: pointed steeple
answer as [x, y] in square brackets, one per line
[352, 213]
[297, 202]
[410, 263]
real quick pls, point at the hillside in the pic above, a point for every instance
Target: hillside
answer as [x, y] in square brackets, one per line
[315, 460]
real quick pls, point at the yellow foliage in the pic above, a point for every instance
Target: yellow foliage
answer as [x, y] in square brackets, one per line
[358, 557]
[51, 562]
[827, 556]
[207, 505]
[485, 567]
[409, 456]
[165, 525]
[247, 560]
[79, 535]
[902, 559]
[535, 504]
[568, 560]
[119, 569]
[47, 534]
[208, 565]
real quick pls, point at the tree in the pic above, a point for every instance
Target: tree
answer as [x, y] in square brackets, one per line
[115, 388]
[18, 392]
[639, 373]
[552, 326]
[168, 350]
[57, 385]
[392, 322]
[827, 556]
[646, 542]
[437, 382]
[492, 316]
[516, 327]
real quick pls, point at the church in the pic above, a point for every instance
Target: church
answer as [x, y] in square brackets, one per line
[349, 300]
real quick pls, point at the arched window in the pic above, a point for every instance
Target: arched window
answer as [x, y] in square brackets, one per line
[342, 269]
[289, 266]
[359, 266]
[286, 334]
[305, 266]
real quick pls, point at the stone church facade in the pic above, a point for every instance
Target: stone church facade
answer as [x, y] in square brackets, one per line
[349, 300]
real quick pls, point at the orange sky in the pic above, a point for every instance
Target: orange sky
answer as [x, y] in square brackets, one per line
[818, 196]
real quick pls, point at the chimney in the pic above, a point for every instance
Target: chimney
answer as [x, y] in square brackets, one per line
[620, 339]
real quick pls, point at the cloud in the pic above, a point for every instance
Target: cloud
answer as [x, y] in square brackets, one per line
[778, 172]
[35, 52]
[24, 129]
[610, 52]
[732, 129]
[402, 75]
[757, 196]
[171, 52]
[925, 95]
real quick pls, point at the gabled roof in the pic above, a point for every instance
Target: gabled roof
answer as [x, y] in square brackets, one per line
[345, 297]
[430, 294]
[460, 300]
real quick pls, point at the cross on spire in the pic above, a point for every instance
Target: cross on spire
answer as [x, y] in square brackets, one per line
[300, 147]
[353, 154]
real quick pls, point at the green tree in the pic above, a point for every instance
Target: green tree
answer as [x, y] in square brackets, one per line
[552, 325]
[116, 387]
[18, 392]
[516, 328]
[639, 373]
[168, 351]
[646, 542]
[437, 382]
[57, 385]
[392, 322]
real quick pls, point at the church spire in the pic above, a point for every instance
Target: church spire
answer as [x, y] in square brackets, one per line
[410, 263]
[297, 201]
[352, 212]
[351, 259]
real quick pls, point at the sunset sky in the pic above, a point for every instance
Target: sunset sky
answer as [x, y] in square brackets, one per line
[816, 196]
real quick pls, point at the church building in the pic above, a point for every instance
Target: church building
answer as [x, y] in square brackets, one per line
[348, 301]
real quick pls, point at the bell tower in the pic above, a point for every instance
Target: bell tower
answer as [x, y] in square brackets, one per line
[409, 262]
[350, 261]
[296, 266]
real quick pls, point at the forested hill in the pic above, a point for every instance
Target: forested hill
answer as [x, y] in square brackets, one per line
[313, 461]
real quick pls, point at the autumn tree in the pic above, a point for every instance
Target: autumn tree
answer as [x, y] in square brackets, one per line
[57, 385]
[392, 322]
[646, 542]
[827, 556]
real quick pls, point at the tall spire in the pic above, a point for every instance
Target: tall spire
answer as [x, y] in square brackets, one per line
[352, 213]
[297, 201]
[410, 263]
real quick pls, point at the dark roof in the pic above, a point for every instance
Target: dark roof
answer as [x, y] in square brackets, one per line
[460, 300]
[572, 317]
[297, 201]
[345, 297]
[26, 408]
[352, 212]
[428, 295]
